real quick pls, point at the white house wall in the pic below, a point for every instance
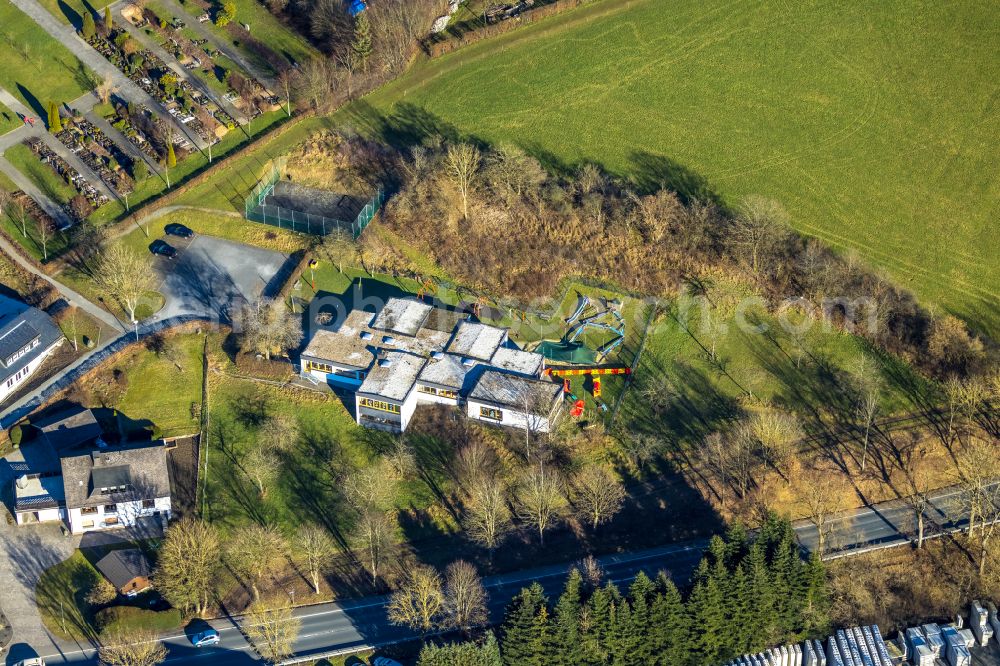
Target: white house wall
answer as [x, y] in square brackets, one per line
[44, 516]
[431, 398]
[509, 417]
[32, 366]
[127, 515]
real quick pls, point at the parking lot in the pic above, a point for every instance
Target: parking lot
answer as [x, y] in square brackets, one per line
[211, 277]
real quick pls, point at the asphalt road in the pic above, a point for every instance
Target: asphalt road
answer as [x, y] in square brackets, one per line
[363, 622]
[886, 525]
[355, 624]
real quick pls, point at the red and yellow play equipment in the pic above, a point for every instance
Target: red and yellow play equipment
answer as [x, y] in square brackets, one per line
[574, 371]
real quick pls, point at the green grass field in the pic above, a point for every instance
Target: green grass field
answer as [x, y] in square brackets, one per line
[8, 120]
[871, 124]
[71, 12]
[263, 25]
[37, 69]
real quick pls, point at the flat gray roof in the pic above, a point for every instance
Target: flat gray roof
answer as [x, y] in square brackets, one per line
[519, 361]
[393, 376]
[402, 315]
[509, 390]
[448, 371]
[475, 340]
[44, 492]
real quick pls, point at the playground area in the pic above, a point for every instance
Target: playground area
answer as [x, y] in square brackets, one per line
[595, 353]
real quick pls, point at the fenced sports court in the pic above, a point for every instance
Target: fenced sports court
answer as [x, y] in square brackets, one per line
[309, 210]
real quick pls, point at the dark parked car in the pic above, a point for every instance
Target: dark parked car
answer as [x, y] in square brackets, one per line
[163, 248]
[178, 230]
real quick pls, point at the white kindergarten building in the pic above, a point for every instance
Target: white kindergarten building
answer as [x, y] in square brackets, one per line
[27, 337]
[410, 353]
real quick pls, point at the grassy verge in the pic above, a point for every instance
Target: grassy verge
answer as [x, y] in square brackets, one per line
[8, 120]
[36, 68]
[72, 12]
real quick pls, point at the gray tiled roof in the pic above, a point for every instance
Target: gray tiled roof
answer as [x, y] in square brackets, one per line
[70, 428]
[121, 566]
[402, 315]
[19, 325]
[147, 475]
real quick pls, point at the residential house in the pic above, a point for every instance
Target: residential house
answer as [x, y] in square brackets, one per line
[116, 487]
[27, 337]
[128, 570]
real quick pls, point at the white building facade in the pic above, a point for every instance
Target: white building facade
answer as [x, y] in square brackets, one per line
[408, 354]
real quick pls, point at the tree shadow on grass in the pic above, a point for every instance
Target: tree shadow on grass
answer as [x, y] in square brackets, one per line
[60, 593]
[73, 16]
[36, 105]
[651, 172]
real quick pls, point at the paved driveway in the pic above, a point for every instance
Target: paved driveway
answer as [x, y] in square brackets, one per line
[212, 277]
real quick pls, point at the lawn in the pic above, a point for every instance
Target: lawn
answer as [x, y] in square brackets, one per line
[42, 175]
[263, 25]
[8, 120]
[36, 68]
[72, 11]
[693, 376]
[61, 594]
[870, 123]
[164, 389]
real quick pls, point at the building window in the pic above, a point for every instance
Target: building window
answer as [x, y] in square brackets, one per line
[110, 508]
[444, 393]
[88, 510]
[379, 405]
[148, 504]
[87, 524]
[320, 367]
[110, 520]
[490, 413]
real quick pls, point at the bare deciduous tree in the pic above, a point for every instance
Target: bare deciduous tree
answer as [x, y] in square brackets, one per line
[777, 433]
[376, 528]
[279, 432]
[419, 601]
[136, 646]
[253, 551]
[464, 597]
[488, 518]
[261, 465]
[977, 464]
[313, 83]
[188, 561]
[124, 275]
[820, 492]
[267, 328]
[463, 162]
[755, 226]
[105, 89]
[540, 498]
[272, 628]
[315, 549]
[599, 495]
